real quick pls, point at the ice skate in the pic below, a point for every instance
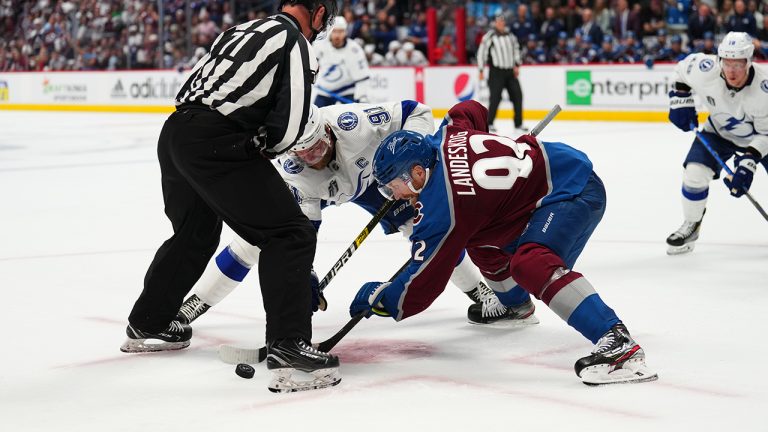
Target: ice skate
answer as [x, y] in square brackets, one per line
[192, 308]
[489, 311]
[176, 336]
[684, 239]
[289, 359]
[616, 359]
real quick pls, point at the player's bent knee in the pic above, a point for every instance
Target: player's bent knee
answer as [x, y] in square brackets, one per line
[697, 176]
[245, 251]
[533, 267]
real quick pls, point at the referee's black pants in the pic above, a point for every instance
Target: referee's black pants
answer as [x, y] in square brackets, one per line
[498, 80]
[210, 175]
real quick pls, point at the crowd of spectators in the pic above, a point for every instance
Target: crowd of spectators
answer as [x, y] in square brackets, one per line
[136, 34]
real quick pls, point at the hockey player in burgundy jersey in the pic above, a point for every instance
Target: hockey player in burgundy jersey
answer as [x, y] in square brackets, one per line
[523, 209]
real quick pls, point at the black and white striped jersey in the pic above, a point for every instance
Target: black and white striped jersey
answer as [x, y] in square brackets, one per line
[503, 49]
[259, 73]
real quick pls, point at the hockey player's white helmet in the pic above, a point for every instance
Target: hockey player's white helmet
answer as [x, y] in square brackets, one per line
[339, 23]
[314, 143]
[736, 45]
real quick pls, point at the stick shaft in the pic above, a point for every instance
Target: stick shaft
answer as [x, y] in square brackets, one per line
[727, 169]
[356, 244]
[545, 121]
[331, 342]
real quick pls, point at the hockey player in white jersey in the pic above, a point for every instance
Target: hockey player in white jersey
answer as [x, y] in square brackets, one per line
[735, 92]
[343, 67]
[331, 165]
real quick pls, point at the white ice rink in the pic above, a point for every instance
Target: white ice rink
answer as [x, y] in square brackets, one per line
[81, 217]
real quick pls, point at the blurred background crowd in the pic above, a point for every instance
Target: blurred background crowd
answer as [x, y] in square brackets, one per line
[150, 34]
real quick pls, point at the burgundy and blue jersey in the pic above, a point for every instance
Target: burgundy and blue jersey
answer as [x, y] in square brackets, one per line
[480, 196]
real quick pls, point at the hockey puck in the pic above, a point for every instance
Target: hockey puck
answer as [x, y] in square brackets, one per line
[245, 370]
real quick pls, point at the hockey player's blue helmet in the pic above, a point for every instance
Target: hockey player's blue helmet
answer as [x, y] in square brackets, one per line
[396, 155]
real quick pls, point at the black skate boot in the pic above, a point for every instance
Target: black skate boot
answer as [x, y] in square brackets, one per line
[175, 336]
[684, 239]
[286, 356]
[192, 308]
[480, 293]
[502, 316]
[616, 359]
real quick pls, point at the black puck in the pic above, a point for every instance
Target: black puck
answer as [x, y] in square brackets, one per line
[245, 370]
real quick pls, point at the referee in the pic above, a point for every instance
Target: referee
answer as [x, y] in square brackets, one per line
[244, 103]
[504, 52]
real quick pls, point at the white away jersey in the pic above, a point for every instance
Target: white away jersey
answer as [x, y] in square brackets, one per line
[738, 116]
[359, 129]
[341, 69]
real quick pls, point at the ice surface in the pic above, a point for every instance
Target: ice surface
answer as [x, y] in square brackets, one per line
[82, 217]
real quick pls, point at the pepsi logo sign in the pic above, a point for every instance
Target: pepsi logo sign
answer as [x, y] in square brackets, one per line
[464, 87]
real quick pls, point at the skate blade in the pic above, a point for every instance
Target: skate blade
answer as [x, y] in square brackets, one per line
[151, 345]
[632, 372]
[283, 380]
[508, 323]
[680, 250]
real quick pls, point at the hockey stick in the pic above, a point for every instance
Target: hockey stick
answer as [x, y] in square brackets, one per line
[335, 95]
[727, 169]
[234, 355]
[331, 342]
[545, 121]
[351, 249]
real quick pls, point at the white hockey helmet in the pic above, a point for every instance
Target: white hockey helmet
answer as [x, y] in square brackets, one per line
[314, 142]
[736, 45]
[339, 23]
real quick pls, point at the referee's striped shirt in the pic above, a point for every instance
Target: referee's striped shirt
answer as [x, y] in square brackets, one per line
[503, 49]
[259, 73]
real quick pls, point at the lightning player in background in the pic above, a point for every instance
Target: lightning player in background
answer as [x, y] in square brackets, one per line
[331, 165]
[523, 210]
[343, 67]
[735, 91]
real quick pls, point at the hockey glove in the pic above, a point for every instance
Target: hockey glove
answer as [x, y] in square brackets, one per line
[682, 110]
[318, 299]
[368, 300]
[746, 165]
[259, 143]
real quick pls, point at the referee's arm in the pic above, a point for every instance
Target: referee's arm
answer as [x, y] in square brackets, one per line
[482, 52]
[285, 121]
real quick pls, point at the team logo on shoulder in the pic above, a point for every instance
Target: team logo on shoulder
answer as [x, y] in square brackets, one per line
[706, 65]
[418, 215]
[361, 163]
[347, 121]
[764, 85]
[292, 166]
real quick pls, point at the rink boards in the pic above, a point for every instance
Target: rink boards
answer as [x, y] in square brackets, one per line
[586, 92]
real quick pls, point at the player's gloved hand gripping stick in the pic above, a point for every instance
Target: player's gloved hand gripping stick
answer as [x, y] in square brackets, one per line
[235, 355]
[728, 170]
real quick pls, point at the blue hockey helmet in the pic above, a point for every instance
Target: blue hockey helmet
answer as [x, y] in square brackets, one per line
[397, 154]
